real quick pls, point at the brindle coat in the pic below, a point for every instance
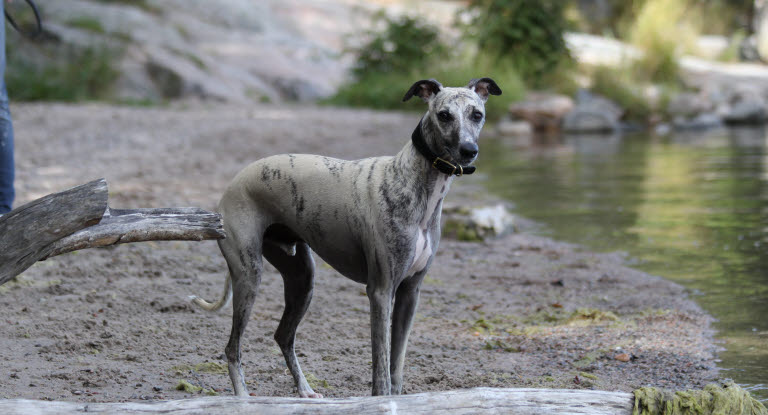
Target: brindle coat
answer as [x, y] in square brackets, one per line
[375, 220]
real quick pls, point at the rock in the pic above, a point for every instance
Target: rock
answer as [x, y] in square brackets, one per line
[760, 23]
[477, 223]
[622, 357]
[712, 46]
[662, 129]
[744, 107]
[239, 51]
[689, 104]
[514, 128]
[700, 121]
[592, 114]
[543, 111]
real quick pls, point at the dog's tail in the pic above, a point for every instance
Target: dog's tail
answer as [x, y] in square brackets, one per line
[223, 301]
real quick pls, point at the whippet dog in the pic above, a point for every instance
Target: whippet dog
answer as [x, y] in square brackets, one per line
[375, 220]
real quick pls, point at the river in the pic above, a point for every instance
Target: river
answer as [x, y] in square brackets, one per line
[691, 207]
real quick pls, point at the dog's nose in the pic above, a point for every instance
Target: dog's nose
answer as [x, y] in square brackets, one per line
[468, 150]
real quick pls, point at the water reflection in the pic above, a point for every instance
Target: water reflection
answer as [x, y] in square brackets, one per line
[692, 207]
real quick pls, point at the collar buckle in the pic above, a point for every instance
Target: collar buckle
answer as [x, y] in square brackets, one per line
[434, 164]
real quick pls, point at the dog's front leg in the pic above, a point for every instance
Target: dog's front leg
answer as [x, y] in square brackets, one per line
[406, 300]
[380, 298]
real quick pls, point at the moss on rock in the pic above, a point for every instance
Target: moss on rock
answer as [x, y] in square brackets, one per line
[726, 399]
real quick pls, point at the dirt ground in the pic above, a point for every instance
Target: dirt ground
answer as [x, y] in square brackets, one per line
[115, 324]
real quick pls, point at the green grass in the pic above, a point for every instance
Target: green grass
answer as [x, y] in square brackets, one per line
[88, 24]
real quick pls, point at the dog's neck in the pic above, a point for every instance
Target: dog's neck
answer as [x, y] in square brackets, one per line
[413, 169]
[411, 159]
[438, 159]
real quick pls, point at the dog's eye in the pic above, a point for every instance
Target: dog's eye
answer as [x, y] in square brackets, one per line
[444, 116]
[477, 116]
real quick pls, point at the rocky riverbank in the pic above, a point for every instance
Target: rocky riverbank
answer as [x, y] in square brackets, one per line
[115, 324]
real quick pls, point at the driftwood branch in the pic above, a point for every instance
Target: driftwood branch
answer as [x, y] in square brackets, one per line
[79, 218]
[121, 226]
[466, 401]
[27, 232]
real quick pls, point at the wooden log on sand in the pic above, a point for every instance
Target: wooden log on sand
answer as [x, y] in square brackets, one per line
[464, 401]
[79, 218]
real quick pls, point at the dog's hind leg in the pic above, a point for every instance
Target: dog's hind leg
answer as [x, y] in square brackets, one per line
[298, 278]
[243, 255]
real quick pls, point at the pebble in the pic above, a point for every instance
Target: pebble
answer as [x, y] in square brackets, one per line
[622, 357]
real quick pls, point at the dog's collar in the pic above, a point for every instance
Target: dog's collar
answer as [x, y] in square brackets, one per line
[443, 166]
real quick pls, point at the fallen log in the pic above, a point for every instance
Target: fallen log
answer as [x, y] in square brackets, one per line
[80, 218]
[464, 401]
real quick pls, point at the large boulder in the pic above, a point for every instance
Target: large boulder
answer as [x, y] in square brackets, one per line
[592, 114]
[543, 111]
[237, 51]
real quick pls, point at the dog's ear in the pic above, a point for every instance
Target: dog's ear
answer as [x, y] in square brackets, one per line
[426, 89]
[484, 87]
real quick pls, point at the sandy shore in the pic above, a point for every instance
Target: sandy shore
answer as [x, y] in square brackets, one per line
[115, 325]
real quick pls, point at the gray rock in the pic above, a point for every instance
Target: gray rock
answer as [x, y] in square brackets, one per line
[592, 114]
[689, 104]
[514, 128]
[237, 51]
[544, 111]
[476, 223]
[745, 107]
[697, 122]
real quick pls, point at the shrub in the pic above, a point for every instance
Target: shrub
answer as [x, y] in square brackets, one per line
[385, 90]
[407, 50]
[662, 30]
[621, 86]
[405, 43]
[65, 75]
[527, 33]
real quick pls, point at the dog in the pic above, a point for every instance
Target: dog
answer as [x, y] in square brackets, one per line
[374, 220]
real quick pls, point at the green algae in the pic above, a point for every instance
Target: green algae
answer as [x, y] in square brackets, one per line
[315, 383]
[725, 399]
[185, 386]
[461, 231]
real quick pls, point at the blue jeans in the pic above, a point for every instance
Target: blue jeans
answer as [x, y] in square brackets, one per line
[6, 130]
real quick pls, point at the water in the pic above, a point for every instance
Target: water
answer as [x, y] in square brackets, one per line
[691, 207]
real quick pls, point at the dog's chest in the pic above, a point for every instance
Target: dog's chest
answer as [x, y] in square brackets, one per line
[423, 247]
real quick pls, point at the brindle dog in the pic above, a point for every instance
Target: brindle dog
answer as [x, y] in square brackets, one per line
[375, 220]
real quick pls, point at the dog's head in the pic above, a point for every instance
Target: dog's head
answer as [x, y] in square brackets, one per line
[456, 115]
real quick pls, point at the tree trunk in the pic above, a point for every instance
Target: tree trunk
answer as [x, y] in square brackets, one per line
[464, 401]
